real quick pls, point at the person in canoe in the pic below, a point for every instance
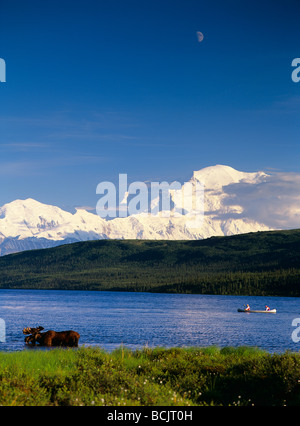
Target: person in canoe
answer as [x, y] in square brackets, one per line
[267, 308]
[247, 308]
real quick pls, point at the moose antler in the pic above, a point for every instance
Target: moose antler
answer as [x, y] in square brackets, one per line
[29, 330]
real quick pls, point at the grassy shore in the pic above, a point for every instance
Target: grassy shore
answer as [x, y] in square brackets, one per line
[177, 376]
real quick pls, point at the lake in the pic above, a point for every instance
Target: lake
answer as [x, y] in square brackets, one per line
[110, 319]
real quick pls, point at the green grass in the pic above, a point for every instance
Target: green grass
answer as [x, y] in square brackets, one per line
[149, 377]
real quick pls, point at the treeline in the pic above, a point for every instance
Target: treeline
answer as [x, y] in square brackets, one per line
[263, 263]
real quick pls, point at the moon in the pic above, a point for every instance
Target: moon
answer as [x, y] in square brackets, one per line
[200, 36]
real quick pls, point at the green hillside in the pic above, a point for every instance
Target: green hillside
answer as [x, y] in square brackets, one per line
[263, 263]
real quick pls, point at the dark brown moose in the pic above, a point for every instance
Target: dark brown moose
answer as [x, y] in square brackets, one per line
[51, 338]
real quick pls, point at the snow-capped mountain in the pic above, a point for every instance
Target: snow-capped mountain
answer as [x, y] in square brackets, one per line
[29, 224]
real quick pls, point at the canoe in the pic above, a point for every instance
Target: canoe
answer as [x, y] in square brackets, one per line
[271, 311]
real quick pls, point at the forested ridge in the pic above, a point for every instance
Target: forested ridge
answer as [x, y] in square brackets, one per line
[262, 263]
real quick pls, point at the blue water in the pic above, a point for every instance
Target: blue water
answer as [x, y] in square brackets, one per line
[110, 319]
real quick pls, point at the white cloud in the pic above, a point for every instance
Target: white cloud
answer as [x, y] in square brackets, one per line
[274, 202]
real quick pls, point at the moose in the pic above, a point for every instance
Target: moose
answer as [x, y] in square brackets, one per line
[51, 338]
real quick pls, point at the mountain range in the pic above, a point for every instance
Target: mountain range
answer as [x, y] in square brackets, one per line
[29, 224]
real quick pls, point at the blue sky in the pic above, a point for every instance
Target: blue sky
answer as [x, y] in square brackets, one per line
[98, 88]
